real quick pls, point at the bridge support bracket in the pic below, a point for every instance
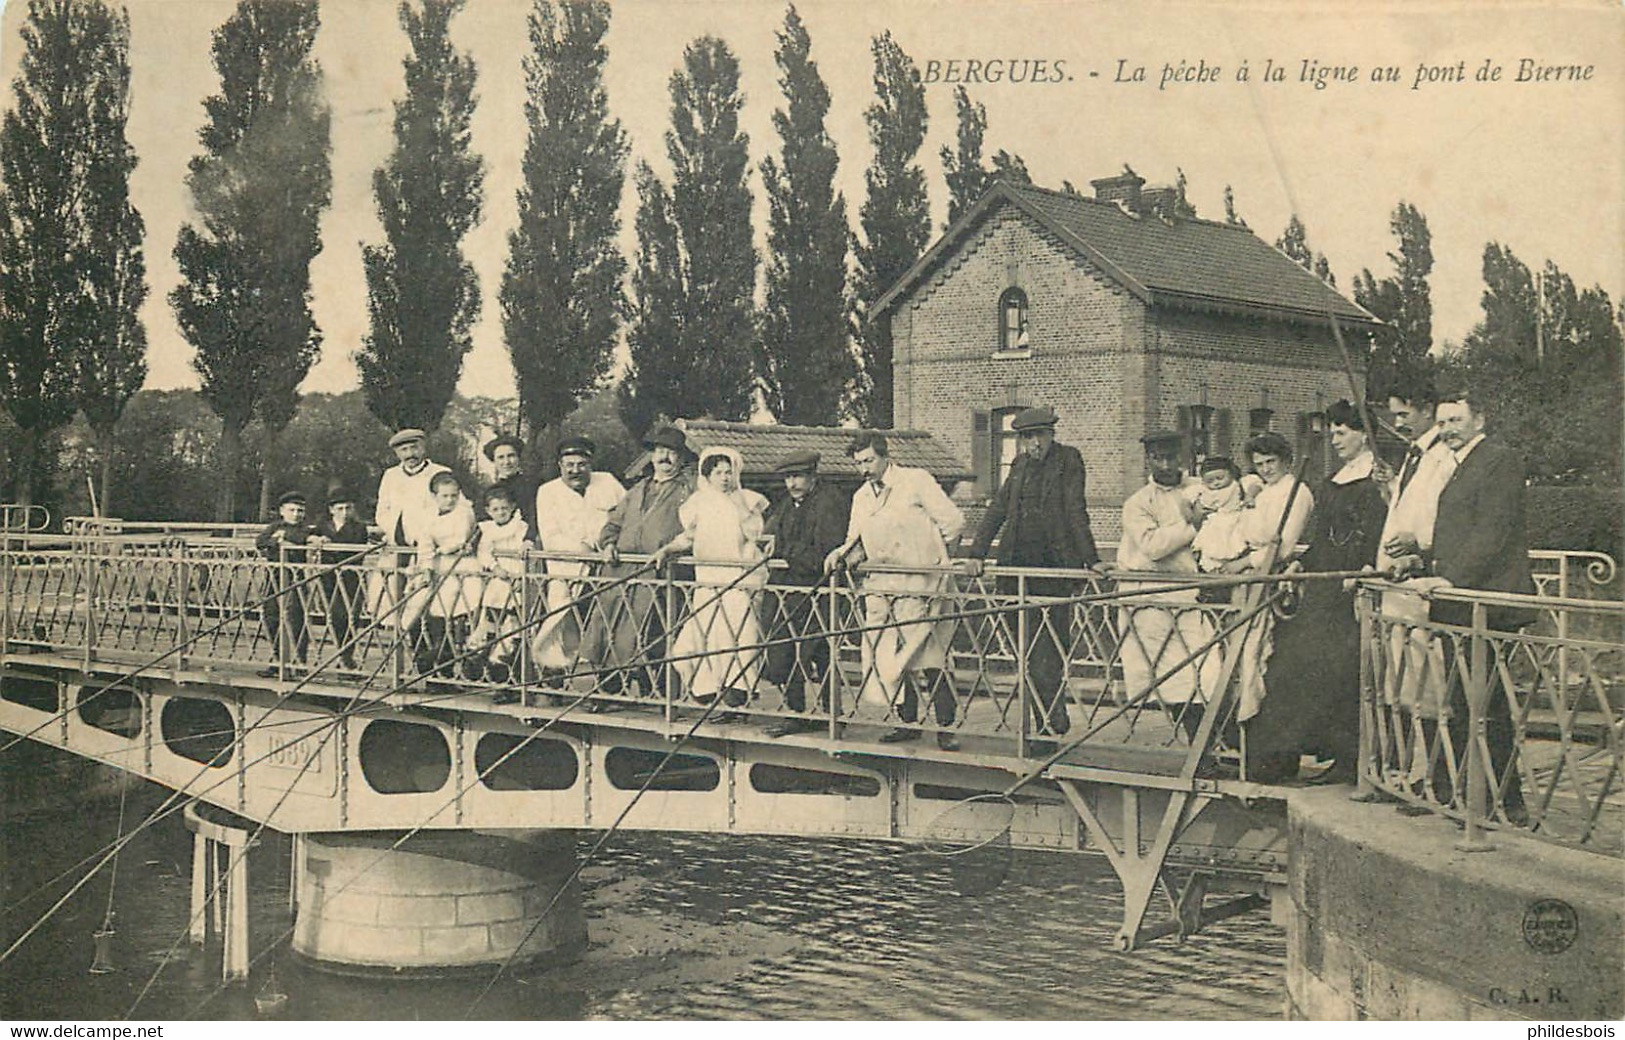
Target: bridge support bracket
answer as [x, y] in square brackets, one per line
[1142, 873]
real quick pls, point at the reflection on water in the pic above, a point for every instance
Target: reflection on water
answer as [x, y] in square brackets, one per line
[682, 926]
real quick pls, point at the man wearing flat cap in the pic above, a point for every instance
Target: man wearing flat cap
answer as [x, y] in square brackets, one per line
[506, 455]
[1161, 628]
[1040, 520]
[643, 521]
[570, 512]
[405, 502]
[805, 525]
[283, 612]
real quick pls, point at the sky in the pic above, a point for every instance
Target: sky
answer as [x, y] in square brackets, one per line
[1538, 165]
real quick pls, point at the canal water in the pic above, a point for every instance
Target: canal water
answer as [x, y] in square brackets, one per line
[681, 926]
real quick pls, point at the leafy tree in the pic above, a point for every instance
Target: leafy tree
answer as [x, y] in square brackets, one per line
[806, 363]
[1230, 215]
[1546, 359]
[708, 214]
[112, 360]
[962, 165]
[72, 276]
[1294, 242]
[658, 364]
[422, 295]
[1399, 354]
[895, 216]
[562, 302]
[259, 187]
[1008, 166]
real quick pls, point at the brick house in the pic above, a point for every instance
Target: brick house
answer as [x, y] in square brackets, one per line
[1125, 320]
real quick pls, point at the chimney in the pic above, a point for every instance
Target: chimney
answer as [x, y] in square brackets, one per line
[1123, 188]
[1159, 201]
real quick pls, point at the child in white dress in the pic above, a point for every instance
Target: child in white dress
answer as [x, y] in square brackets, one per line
[502, 542]
[1223, 496]
[437, 604]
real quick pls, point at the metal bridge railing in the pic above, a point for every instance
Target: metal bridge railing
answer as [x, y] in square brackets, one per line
[982, 656]
[985, 655]
[1500, 711]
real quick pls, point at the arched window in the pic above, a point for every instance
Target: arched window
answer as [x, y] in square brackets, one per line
[1013, 321]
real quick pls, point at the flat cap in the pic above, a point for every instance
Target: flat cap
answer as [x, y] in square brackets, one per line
[406, 436]
[582, 446]
[798, 462]
[490, 450]
[291, 498]
[1042, 418]
[666, 437]
[1161, 438]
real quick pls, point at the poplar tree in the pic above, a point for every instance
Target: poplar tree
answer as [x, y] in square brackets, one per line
[895, 216]
[562, 301]
[72, 276]
[962, 165]
[708, 213]
[1404, 302]
[258, 187]
[659, 368]
[422, 294]
[806, 363]
[1294, 242]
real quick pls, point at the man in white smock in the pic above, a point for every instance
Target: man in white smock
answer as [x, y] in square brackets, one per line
[902, 518]
[570, 511]
[1160, 629]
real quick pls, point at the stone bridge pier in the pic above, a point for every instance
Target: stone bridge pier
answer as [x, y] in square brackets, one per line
[437, 902]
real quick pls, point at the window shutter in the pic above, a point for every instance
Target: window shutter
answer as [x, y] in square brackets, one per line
[1183, 419]
[1221, 433]
[981, 453]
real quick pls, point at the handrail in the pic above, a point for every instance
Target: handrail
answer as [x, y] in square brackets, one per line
[1499, 728]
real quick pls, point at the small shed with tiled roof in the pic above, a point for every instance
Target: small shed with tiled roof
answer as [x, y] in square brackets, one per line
[763, 446]
[1126, 317]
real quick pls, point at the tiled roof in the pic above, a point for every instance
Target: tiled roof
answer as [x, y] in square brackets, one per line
[1183, 263]
[762, 447]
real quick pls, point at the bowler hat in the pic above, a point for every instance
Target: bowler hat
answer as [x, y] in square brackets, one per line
[1162, 438]
[582, 446]
[406, 436]
[337, 493]
[290, 498]
[666, 437]
[1042, 418]
[798, 462]
[490, 450]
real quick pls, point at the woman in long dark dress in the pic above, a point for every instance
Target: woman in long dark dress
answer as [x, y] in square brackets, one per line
[1313, 677]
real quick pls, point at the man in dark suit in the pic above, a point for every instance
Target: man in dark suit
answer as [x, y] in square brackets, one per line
[1040, 520]
[808, 522]
[1479, 543]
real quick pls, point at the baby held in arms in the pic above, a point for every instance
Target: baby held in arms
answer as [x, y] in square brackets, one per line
[1223, 496]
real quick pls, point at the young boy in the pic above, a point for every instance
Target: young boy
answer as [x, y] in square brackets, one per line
[287, 602]
[501, 539]
[341, 586]
[437, 587]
